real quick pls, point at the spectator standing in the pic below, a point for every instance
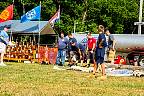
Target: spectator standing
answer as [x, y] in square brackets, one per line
[111, 46]
[100, 51]
[62, 45]
[4, 39]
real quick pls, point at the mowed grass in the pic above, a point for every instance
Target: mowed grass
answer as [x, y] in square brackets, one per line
[19, 79]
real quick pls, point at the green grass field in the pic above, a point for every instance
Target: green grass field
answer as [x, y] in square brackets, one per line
[18, 79]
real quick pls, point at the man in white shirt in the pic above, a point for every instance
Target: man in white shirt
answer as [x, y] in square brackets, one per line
[4, 39]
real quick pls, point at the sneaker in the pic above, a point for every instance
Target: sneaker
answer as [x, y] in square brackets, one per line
[92, 76]
[55, 67]
[102, 78]
[88, 65]
[2, 64]
[70, 65]
[84, 65]
[58, 68]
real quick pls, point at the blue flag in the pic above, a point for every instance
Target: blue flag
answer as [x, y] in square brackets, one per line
[33, 14]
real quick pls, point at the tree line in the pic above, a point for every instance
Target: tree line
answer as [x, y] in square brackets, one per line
[118, 15]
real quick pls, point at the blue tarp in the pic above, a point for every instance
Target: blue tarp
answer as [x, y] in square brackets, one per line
[119, 72]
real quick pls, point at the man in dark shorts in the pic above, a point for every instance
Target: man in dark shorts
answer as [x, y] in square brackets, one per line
[91, 45]
[100, 51]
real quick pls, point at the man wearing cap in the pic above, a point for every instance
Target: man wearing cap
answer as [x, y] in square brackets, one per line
[4, 38]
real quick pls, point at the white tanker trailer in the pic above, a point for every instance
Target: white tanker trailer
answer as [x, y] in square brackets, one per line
[130, 46]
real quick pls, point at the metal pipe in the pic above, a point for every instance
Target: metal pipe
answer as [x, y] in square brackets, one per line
[140, 17]
[75, 25]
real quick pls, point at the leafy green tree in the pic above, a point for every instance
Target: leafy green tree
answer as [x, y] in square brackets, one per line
[118, 15]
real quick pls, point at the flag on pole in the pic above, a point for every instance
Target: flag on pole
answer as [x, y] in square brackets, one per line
[55, 18]
[33, 14]
[7, 14]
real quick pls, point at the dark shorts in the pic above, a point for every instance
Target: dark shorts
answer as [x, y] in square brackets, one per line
[100, 52]
[83, 55]
[99, 60]
[91, 55]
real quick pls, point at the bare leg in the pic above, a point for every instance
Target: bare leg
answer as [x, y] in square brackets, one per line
[88, 61]
[88, 58]
[95, 67]
[69, 59]
[1, 59]
[94, 70]
[112, 61]
[81, 63]
[103, 69]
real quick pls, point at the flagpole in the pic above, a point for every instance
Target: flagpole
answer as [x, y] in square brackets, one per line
[59, 22]
[11, 24]
[23, 6]
[39, 34]
[59, 14]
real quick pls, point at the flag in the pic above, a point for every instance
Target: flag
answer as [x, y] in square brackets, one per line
[7, 14]
[33, 14]
[55, 18]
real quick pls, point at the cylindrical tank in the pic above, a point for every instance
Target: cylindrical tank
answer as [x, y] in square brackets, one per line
[124, 42]
[129, 42]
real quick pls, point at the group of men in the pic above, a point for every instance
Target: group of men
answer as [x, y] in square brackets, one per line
[94, 51]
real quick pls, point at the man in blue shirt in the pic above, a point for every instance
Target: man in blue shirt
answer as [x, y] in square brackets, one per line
[62, 45]
[4, 38]
[76, 51]
[100, 51]
[72, 41]
[72, 50]
[82, 51]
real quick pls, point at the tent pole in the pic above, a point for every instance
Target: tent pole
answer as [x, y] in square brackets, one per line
[11, 25]
[11, 32]
[39, 35]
